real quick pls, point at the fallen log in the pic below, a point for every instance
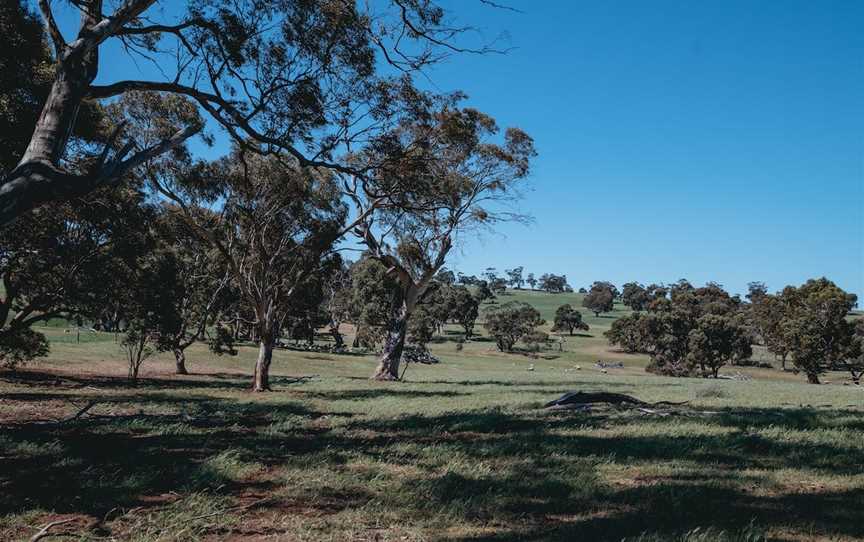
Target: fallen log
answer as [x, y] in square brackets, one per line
[582, 398]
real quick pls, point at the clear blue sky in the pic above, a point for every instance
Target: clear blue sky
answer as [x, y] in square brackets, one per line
[709, 140]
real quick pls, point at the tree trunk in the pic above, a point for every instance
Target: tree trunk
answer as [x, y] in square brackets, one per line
[337, 337]
[813, 378]
[180, 361]
[388, 365]
[37, 179]
[783, 362]
[261, 380]
[356, 343]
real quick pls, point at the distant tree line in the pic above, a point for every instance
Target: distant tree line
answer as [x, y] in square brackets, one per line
[688, 330]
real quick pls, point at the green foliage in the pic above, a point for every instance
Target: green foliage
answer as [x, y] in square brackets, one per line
[697, 327]
[815, 327]
[371, 295]
[20, 345]
[421, 326]
[484, 292]
[552, 283]
[717, 340]
[514, 277]
[510, 322]
[641, 298]
[464, 309]
[628, 332]
[568, 318]
[600, 298]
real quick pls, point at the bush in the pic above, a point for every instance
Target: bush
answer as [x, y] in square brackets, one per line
[20, 345]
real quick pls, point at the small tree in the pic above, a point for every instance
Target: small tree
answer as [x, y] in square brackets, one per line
[716, 341]
[509, 322]
[626, 332]
[152, 319]
[498, 285]
[554, 284]
[599, 299]
[568, 318]
[514, 277]
[464, 309]
[532, 282]
[484, 292]
[371, 293]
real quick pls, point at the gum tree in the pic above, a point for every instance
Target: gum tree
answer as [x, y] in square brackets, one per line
[451, 177]
[292, 77]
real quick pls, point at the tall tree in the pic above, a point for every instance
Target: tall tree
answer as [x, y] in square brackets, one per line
[295, 77]
[455, 179]
[275, 224]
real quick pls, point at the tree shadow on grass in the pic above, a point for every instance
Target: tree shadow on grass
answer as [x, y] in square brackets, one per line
[352, 395]
[529, 474]
[194, 381]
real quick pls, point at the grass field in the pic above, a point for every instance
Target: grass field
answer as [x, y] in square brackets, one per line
[460, 451]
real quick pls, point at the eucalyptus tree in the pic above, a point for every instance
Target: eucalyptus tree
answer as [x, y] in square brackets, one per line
[293, 77]
[450, 177]
[816, 329]
[512, 322]
[600, 298]
[568, 318]
[271, 222]
[464, 309]
[514, 277]
[66, 260]
[201, 281]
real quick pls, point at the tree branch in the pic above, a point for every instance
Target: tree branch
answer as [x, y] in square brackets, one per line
[53, 29]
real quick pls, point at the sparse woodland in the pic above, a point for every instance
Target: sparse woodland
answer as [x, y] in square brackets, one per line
[274, 341]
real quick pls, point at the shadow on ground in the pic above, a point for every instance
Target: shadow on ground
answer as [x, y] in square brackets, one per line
[544, 483]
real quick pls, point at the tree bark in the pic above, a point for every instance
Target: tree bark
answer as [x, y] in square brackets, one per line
[180, 361]
[261, 380]
[388, 365]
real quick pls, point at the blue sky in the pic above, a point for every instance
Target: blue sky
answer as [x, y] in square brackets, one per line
[707, 140]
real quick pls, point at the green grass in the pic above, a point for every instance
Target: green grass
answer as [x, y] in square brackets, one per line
[460, 451]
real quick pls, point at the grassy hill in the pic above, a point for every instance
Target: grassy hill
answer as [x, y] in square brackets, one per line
[462, 450]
